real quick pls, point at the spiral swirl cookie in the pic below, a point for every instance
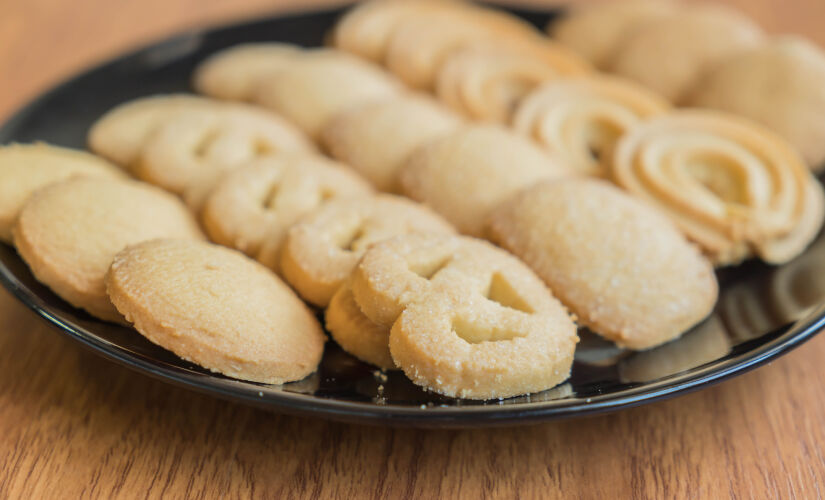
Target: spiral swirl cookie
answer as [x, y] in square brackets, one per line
[620, 266]
[733, 187]
[24, 168]
[377, 137]
[780, 84]
[320, 84]
[261, 200]
[355, 333]
[468, 320]
[320, 251]
[465, 174]
[669, 55]
[485, 81]
[69, 232]
[200, 144]
[234, 73]
[215, 307]
[580, 119]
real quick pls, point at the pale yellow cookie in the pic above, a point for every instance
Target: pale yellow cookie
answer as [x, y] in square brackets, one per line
[321, 84]
[465, 174]
[468, 319]
[780, 84]
[261, 200]
[235, 72]
[580, 119]
[375, 138]
[199, 144]
[355, 333]
[732, 186]
[669, 55]
[595, 29]
[216, 308]
[620, 266]
[119, 135]
[69, 232]
[320, 251]
[486, 80]
[25, 168]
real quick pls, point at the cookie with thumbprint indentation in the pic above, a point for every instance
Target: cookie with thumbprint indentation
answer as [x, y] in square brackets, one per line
[620, 266]
[217, 308]
[468, 319]
[376, 137]
[69, 232]
[320, 251]
[262, 200]
[24, 168]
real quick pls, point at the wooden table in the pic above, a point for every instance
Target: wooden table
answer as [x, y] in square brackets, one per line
[73, 424]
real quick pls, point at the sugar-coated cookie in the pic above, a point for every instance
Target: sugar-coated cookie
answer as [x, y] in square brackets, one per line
[375, 138]
[24, 168]
[594, 30]
[486, 80]
[322, 83]
[780, 84]
[199, 144]
[732, 186]
[580, 119]
[669, 55]
[465, 174]
[619, 265]
[355, 333]
[69, 232]
[216, 308]
[261, 200]
[320, 251]
[119, 135]
[234, 73]
[468, 319]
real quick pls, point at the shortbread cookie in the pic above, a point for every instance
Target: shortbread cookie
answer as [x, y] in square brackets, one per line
[199, 144]
[321, 84]
[320, 251]
[580, 119]
[377, 137]
[486, 80]
[732, 186]
[780, 84]
[69, 232]
[24, 168]
[595, 30]
[669, 55]
[465, 174]
[119, 135]
[216, 308]
[468, 319]
[234, 73]
[262, 200]
[622, 268]
[355, 333]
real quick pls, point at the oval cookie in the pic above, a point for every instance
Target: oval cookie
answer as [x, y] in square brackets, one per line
[622, 268]
[467, 173]
[69, 232]
[320, 251]
[24, 168]
[215, 307]
[469, 320]
[262, 200]
[375, 138]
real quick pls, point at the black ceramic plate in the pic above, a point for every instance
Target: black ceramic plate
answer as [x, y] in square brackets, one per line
[762, 312]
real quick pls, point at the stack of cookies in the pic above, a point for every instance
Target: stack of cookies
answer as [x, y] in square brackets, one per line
[455, 190]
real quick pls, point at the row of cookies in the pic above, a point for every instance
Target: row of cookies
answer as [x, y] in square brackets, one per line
[131, 253]
[708, 55]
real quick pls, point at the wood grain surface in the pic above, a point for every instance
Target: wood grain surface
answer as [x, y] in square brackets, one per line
[74, 425]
